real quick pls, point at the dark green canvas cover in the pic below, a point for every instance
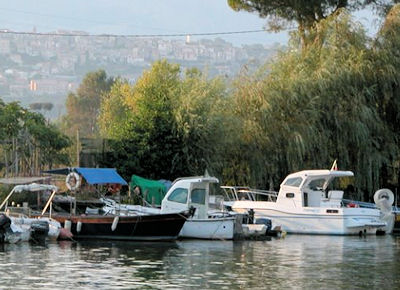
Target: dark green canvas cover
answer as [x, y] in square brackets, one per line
[152, 190]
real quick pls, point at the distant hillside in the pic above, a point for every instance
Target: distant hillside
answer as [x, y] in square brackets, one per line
[38, 68]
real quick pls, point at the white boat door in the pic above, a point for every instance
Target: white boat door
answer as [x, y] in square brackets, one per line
[198, 198]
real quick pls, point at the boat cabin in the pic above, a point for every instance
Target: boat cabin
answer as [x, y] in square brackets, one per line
[189, 192]
[309, 188]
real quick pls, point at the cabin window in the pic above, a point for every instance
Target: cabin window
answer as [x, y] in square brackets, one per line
[332, 211]
[290, 195]
[316, 184]
[198, 196]
[294, 181]
[179, 195]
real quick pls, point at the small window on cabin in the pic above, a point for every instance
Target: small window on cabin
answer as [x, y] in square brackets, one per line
[198, 196]
[290, 195]
[179, 195]
[294, 181]
[316, 184]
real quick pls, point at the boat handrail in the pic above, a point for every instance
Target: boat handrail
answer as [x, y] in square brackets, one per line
[272, 195]
[235, 192]
[366, 204]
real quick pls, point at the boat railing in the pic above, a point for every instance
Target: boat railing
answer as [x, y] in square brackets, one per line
[234, 193]
[365, 204]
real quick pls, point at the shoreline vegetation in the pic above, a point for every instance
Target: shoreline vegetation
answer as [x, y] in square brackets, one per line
[337, 97]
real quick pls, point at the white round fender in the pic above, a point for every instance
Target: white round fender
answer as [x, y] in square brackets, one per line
[67, 225]
[73, 181]
[115, 223]
[79, 226]
[384, 199]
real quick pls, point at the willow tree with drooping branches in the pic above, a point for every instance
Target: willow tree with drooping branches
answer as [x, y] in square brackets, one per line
[322, 103]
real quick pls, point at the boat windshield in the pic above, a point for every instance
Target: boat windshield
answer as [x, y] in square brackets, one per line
[317, 184]
[295, 181]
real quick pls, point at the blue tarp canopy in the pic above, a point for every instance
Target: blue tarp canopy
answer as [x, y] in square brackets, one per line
[101, 175]
[93, 175]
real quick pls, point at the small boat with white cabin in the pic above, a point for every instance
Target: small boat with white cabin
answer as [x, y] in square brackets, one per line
[185, 194]
[308, 203]
[194, 192]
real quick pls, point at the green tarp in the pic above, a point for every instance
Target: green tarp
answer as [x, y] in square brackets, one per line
[151, 190]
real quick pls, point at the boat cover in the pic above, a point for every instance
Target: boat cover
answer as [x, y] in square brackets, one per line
[101, 175]
[93, 175]
[152, 191]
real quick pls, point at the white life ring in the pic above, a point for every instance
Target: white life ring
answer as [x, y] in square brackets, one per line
[384, 193]
[384, 199]
[70, 183]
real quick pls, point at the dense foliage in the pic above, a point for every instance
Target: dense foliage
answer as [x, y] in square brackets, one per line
[28, 143]
[164, 124]
[304, 13]
[336, 98]
[83, 107]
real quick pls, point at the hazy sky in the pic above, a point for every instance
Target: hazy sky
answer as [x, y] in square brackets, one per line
[137, 17]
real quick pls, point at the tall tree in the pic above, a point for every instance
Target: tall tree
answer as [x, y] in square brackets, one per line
[321, 104]
[170, 120]
[83, 106]
[28, 143]
[305, 13]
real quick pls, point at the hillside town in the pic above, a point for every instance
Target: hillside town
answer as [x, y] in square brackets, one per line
[44, 68]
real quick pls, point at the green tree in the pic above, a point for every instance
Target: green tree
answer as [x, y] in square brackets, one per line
[305, 14]
[317, 105]
[171, 121]
[116, 111]
[29, 144]
[83, 106]
[201, 123]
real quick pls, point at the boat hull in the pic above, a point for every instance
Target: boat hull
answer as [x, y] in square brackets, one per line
[145, 228]
[210, 229]
[325, 221]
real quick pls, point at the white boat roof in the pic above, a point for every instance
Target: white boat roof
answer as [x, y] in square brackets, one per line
[209, 179]
[34, 187]
[321, 172]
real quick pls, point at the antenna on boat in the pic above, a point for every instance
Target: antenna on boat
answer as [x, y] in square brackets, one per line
[334, 165]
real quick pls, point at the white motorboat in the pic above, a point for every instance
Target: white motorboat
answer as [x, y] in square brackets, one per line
[307, 203]
[186, 193]
[194, 192]
[12, 232]
[26, 227]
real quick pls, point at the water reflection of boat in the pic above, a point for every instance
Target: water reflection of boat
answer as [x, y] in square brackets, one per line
[308, 203]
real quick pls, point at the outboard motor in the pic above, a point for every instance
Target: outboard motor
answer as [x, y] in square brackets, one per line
[5, 223]
[265, 221]
[251, 216]
[384, 199]
[39, 230]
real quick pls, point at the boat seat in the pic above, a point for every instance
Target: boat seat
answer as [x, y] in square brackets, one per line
[335, 194]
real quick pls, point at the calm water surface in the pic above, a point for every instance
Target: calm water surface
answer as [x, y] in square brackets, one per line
[293, 262]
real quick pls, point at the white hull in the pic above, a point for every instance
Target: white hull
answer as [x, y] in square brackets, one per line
[211, 229]
[317, 221]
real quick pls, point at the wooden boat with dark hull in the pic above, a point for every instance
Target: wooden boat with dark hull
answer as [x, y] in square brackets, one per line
[158, 227]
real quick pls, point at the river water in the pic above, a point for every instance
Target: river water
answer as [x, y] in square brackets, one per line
[293, 262]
